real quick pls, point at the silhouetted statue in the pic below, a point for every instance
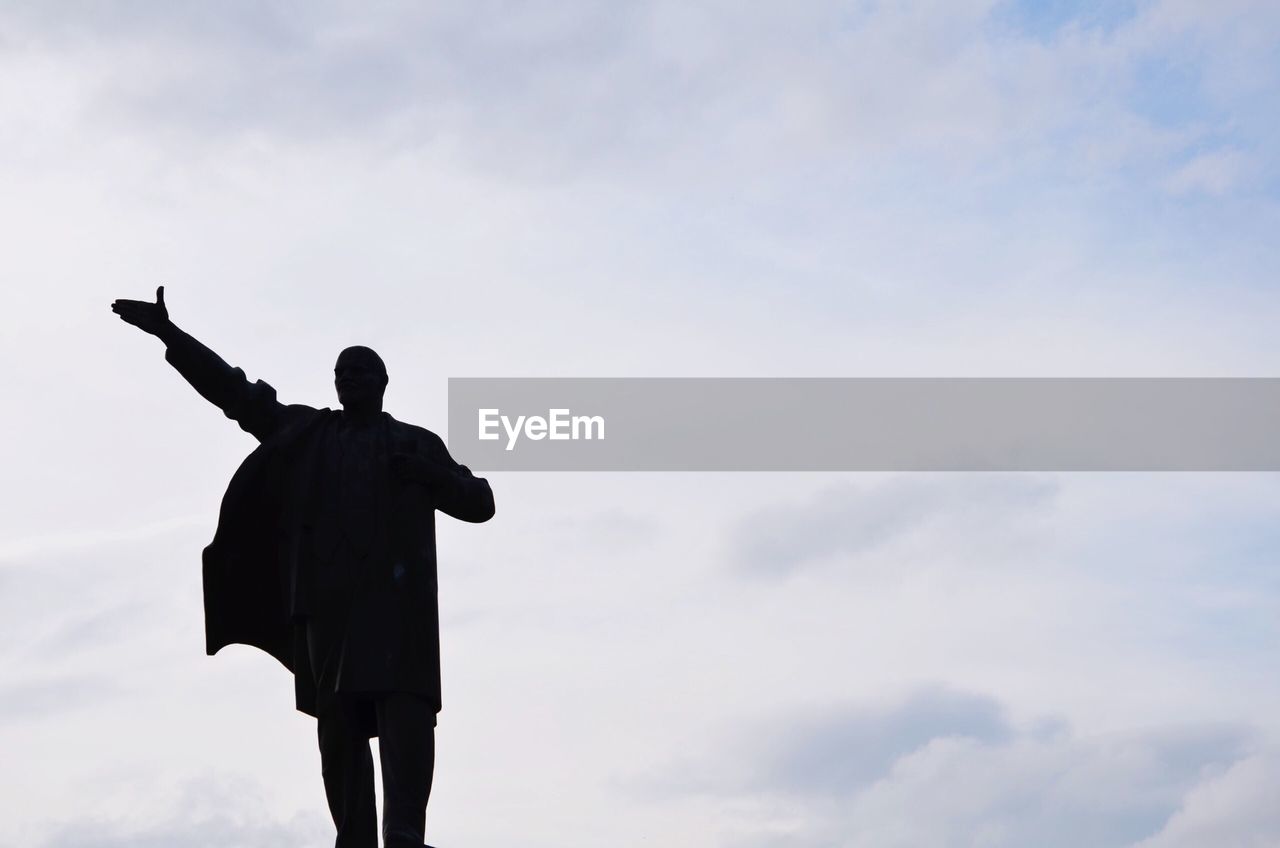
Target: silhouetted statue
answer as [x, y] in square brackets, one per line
[325, 558]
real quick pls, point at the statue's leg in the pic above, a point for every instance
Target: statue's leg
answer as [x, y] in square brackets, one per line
[347, 766]
[407, 750]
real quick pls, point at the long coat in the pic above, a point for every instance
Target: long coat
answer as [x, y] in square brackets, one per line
[254, 567]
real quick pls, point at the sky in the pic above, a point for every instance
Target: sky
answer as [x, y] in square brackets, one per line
[573, 188]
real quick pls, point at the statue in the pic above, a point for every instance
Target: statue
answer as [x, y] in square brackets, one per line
[325, 558]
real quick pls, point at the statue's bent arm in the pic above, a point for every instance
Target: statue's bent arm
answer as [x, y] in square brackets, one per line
[471, 498]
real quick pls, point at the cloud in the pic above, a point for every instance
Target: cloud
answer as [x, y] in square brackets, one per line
[92, 592]
[1048, 20]
[77, 540]
[729, 188]
[1215, 173]
[36, 698]
[851, 520]
[93, 628]
[946, 768]
[608, 529]
[209, 812]
[1236, 808]
[1062, 791]
[707, 93]
[846, 749]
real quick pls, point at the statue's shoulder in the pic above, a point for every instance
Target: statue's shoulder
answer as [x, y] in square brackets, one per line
[298, 416]
[405, 427]
[405, 430]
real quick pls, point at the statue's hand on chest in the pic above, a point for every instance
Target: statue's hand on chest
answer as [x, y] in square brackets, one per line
[414, 468]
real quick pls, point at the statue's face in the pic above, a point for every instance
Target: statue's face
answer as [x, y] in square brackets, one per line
[359, 377]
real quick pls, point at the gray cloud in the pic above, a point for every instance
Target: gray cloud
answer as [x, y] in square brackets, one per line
[1233, 807]
[852, 519]
[946, 768]
[846, 749]
[83, 591]
[318, 71]
[36, 698]
[90, 628]
[568, 88]
[610, 529]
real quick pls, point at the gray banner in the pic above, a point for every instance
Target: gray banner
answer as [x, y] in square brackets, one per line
[865, 424]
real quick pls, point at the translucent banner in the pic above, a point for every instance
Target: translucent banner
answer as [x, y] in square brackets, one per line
[865, 424]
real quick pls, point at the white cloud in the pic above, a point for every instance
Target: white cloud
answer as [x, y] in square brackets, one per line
[1061, 791]
[1236, 807]
[207, 812]
[941, 768]
[1216, 173]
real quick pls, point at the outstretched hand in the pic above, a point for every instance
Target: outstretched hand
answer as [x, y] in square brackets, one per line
[152, 318]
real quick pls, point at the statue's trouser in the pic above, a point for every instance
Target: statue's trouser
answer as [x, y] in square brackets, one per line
[406, 746]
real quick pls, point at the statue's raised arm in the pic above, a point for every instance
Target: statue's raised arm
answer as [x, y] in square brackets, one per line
[252, 405]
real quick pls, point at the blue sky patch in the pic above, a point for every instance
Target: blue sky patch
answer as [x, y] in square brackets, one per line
[1044, 19]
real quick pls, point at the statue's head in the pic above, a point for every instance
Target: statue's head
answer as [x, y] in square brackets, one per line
[360, 378]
